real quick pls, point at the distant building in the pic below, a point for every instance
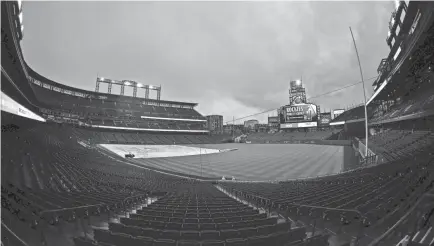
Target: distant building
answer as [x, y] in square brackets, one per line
[261, 127]
[249, 125]
[273, 122]
[337, 112]
[228, 128]
[214, 123]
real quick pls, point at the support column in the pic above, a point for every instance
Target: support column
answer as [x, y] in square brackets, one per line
[135, 91]
[97, 86]
[122, 90]
[110, 88]
[147, 93]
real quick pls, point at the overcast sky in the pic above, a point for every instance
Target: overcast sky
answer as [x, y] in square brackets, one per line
[233, 58]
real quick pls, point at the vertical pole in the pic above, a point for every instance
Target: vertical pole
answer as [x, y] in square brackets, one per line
[233, 126]
[201, 171]
[135, 90]
[364, 96]
[97, 84]
[147, 93]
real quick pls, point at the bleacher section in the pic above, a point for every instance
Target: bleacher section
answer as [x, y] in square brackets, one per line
[280, 137]
[125, 137]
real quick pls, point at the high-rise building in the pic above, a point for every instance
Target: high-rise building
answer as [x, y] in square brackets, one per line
[215, 123]
[273, 122]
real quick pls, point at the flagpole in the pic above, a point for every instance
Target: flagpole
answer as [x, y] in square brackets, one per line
[364, 96]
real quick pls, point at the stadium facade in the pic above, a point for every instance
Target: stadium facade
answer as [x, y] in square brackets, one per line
[215, 123]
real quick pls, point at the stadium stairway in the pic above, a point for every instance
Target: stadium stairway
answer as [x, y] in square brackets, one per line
[198, 215]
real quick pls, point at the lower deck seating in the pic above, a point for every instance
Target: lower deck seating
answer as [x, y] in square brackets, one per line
[200, 216]
[373, 198]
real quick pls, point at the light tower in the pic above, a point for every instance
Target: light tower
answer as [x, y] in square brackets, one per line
[129, 83]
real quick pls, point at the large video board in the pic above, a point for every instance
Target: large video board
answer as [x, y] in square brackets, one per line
[299, 113]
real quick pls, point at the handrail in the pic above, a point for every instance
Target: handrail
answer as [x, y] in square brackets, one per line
[398, 223]
[325, 208]
[71, 208]
[301, 205]
[85, 206]
[15, 235]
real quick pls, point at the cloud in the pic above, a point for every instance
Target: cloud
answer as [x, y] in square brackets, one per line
[233, 58]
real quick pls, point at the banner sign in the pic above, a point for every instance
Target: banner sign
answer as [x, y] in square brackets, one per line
[9, 105]
[298, 125]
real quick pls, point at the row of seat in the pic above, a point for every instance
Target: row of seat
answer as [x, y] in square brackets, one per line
[146, 138]
[397, 144]
[279, 238]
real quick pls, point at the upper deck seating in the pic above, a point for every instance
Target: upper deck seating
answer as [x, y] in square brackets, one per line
[397, 144]
[417, 104]
[55, 100]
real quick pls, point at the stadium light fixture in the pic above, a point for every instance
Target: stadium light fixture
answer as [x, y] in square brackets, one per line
[102, 78]
[127, 83]
[20, 16]
[19, 4]
[139, 84]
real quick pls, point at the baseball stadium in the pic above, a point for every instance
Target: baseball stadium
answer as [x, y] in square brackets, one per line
[82, 168]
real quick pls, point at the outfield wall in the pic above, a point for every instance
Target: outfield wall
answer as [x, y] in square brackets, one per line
[313, 141]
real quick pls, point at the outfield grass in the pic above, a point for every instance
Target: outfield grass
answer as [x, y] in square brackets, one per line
[257, 161]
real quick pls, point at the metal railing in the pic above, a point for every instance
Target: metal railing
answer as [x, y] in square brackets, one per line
[404, 219]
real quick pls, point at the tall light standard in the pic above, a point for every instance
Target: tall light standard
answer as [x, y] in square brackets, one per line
[364, 96]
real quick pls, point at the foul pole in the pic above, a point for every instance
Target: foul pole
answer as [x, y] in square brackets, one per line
[364, 96]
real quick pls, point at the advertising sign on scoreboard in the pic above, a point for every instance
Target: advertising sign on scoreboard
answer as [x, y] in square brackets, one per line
[298, 125]
[300, 113]
[325, 118]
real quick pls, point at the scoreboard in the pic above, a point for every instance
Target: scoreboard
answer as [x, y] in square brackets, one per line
[300, 113]
[303, 115]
